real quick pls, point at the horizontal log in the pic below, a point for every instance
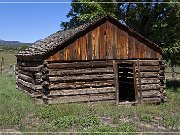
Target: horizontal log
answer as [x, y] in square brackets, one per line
[149, 63]
[81, 98]
[81, 91]
[149, 87]
[26, 78]
[78, 85]
[29, 64]
[148, 74]
[30, 85]
[149, 68]
[30, 74]
[22, 87]
[82, 78]
[80, 71]
[78, 65]
[149, 81]
[29, 91]
[151, 100]
[150, 93]
[31, 69]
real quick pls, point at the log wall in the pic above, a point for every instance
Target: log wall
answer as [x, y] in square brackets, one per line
[29, 77]
[89, 81]
[80, 82]
[150, 81]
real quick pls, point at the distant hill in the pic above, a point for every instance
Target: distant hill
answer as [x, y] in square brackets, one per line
[12, 43]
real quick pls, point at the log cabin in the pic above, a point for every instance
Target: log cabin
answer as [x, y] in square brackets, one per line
[102, 60]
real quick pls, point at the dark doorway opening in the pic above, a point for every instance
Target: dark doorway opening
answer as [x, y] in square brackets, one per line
[126, 76]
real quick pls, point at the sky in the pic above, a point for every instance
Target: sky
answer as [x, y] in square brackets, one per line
[29, 22]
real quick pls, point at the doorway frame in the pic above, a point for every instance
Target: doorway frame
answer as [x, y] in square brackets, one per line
[116, 81]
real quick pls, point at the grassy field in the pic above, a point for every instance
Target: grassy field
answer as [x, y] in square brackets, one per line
[21, 113]
[18, 112]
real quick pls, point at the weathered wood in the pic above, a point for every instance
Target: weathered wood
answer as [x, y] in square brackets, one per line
[30, 85]
[80, 98]
[80, 71]
[31, 69]
[149, 74]
[149, 81]
[30, 92]
[73, 65]
[82, 78]
[149, 87]
[139, 81]
[149, 68]
[149, 63]
[29, 63]
[77, 85]
[150, 93]
[65, 92]
[30, 74]
[151, 100]
[26, 78]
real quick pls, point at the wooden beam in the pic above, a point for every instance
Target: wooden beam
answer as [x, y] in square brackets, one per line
[80, 71]
[82, 78]
[80, 98]
[77, 85]
[81, 91]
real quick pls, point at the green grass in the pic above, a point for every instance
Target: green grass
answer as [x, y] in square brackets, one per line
[20, 112]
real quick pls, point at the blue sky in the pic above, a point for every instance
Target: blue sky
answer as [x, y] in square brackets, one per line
[30, 22]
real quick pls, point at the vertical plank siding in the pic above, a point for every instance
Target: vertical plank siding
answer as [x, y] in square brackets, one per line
[107, 41]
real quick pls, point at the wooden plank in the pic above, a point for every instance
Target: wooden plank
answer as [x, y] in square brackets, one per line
[77, 85]
[149, 81]
[107, 70]
[142, 50]
[102, 44]
[90, 64]
[139, 81]
[151, 100]
[151, 94]
[30, 85]
[81, 98]
[83, 48]
[110, 40]
[30, 74]
[115, 47]
[29, 63]
[29, 91]
[149, 87]
[149, 68]
[131, 47]
[31, 69]
[134, 81]
[26, 78]
[149, 74]
[89, 50]
[81, 91]
[149, 63]
[116, 81]
[82, 78]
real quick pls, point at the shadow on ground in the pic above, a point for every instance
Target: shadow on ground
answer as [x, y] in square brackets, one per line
[173, 83]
